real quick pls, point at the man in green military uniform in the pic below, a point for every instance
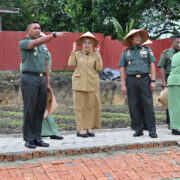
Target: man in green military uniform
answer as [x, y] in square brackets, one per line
[34, 82]
[136, 63]
[165, 65]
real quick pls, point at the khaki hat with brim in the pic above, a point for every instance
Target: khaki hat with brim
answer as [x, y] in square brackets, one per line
[51, 104]
[143, 33]
[148, 42]
[87, 35]
[163, 98]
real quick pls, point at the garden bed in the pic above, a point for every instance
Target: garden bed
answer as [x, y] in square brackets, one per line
[11, 118]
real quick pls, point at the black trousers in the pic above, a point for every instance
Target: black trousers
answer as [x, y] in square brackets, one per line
[34, 93]
[167, 112]
[140, 103]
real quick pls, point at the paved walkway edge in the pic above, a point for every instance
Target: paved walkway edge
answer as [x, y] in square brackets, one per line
[74, 151]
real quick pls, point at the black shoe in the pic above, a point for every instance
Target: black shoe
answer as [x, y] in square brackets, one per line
[138, 133]
[90, 134]
[57, 137]
[39, 142]
[153, 135]
[175, 132]
[30, 145]
[82, 135]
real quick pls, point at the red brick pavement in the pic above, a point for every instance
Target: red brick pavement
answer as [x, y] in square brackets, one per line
[126, 166]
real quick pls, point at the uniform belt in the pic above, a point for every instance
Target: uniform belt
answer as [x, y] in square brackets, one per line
[34, 73]
[139, 75]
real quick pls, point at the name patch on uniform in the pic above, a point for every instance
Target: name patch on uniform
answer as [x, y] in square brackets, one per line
[81, 57]
[143, 52]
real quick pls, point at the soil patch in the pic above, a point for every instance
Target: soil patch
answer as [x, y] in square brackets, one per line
[11, 118]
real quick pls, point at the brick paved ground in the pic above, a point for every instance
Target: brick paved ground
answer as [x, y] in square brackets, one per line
[127, 166]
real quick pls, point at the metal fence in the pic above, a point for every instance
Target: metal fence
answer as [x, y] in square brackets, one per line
[60, 49]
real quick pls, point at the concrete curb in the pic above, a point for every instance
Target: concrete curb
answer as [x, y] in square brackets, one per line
[12, 148]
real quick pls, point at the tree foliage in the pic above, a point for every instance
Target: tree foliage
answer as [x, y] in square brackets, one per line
[157, 16]
[17, 22]
[119, 30]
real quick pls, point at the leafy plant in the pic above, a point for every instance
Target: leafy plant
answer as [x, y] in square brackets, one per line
[119, 30]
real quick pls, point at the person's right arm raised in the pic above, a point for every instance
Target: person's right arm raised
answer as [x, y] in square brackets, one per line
[45, 39]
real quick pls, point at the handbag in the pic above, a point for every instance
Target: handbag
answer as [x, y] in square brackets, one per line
[163, 97]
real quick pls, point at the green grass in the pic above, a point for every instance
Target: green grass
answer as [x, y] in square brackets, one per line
[14, 123]
[114, 114]
[66, 117]
[160, 116]
[11, 113]
[10, 122]
[63, 126]
[11, 117]
[112, 119]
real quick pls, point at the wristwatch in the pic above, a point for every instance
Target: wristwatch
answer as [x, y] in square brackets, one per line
[153, 81]
[54, 34]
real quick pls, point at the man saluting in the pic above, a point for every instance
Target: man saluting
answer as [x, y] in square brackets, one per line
[34, 82]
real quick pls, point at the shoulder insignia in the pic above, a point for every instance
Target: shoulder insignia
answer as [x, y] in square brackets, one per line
[150, 51]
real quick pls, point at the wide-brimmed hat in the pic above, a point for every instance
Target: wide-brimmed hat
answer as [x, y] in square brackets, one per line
[143, 33]
[51, 104]
[148, 42]
[88, 35]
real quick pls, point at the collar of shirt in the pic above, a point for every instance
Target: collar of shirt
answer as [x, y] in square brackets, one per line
[135, 47]
[85, 53]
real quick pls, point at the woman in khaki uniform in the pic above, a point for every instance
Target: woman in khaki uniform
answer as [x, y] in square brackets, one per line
[85, 84]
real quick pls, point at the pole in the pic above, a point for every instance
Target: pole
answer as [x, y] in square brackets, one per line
[0, 22]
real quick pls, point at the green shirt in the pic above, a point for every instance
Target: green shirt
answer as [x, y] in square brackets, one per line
[33, 60]
[137, 59]
[166, 58]
[174, 77]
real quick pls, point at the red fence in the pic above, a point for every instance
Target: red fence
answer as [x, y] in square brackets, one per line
[60, 49]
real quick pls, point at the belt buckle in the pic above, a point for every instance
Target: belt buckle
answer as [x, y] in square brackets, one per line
[138, 75]
[41, 74]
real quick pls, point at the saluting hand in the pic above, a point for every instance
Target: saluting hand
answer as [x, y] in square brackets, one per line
[97, 50]
[74, 46]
